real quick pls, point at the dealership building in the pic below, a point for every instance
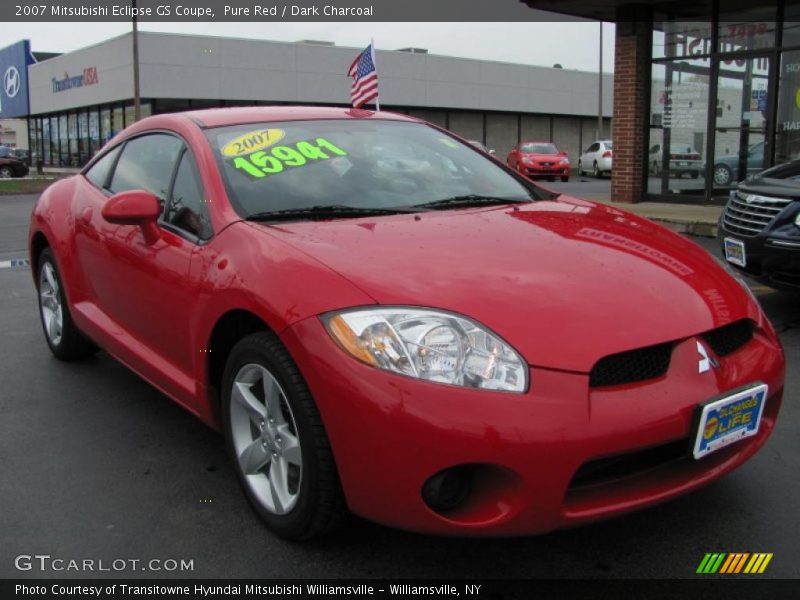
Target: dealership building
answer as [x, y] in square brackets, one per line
[75, 102]
[714, 84]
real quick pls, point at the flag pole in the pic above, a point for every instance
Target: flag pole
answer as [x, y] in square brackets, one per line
[374, 62]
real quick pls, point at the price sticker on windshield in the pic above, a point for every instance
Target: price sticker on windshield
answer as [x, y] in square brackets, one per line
[261, 163]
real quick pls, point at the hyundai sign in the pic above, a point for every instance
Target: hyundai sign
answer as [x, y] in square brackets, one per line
[14, 61]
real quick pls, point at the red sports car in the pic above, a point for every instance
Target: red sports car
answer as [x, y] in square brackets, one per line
[540, 159]
[381, 318]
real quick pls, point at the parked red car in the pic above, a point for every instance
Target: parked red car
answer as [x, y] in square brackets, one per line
[540, 159]
[420, 334]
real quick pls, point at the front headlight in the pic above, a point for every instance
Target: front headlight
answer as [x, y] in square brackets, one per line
[564, 161]
[431, 345]
[797, 220]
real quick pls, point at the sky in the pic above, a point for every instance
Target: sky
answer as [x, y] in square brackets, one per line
[574, 45]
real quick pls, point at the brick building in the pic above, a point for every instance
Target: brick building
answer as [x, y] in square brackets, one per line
[705, 92]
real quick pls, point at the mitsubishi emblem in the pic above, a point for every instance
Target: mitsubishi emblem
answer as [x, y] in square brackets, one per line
[706, 362]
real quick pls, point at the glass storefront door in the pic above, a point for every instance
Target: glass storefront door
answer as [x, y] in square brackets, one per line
[741, 121]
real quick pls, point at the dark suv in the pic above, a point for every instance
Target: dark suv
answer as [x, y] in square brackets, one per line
[760, 227]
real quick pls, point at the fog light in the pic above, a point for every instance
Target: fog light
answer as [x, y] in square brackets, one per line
[447, 489]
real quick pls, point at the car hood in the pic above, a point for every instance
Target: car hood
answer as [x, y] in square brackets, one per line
[565, 282]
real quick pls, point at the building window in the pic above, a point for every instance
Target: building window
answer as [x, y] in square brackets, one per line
[678, 123]
[746, 25]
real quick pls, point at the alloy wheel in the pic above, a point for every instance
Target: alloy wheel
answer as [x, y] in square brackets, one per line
[6, 173]
[265, 439]
[50, 304]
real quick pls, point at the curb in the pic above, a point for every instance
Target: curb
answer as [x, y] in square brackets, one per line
[697, 228]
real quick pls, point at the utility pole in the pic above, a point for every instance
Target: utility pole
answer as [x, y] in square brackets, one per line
[600, 89]
[137, 110]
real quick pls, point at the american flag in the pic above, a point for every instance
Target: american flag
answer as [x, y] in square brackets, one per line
[365, 78]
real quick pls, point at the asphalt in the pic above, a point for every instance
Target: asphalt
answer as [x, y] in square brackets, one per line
[96, 464]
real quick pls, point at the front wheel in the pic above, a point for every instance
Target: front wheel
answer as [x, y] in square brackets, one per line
[596, 170]
[277, 442]
[580, 168]
[63, 338]
[6, 173]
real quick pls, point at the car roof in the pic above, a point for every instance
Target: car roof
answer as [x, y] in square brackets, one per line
[220, 117]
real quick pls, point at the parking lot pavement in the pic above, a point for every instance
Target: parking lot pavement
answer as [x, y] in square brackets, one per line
[97, 464]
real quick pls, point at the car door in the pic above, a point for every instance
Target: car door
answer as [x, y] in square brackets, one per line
[148, 293]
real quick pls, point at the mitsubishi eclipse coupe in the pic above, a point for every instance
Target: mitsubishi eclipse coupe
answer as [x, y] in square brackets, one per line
[381, 318]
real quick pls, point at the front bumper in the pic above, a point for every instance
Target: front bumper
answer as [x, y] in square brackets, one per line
[390, 433]
[771, 259]
[539, 170]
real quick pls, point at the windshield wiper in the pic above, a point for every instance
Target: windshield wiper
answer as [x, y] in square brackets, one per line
[332, 211]
[468, 200]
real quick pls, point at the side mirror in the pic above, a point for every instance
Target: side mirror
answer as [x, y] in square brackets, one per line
[135, 207]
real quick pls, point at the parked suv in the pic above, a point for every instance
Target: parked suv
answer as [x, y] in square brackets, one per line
[760, 227]
[10, 165]
[596, 159]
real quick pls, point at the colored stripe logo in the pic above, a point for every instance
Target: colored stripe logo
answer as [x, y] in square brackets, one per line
[734, 563]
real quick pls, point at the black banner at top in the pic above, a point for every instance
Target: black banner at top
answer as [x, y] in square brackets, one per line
[273, 10]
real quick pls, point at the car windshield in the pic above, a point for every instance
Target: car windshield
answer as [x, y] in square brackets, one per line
[363, 164]
[539, 149]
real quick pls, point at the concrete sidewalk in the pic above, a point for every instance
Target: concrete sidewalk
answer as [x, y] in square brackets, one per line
[684, 218]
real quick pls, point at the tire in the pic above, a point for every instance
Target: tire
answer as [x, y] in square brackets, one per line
[596, 170]
[565, 179]
[580, 168]
[722, 174]
[290, 449]
[6, 172]
[66, 342]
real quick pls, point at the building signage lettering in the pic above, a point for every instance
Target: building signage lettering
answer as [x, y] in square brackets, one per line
[88, 77]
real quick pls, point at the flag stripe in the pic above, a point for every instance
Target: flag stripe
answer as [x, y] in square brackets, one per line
[741, 562]
[755, 560]
[365, 78]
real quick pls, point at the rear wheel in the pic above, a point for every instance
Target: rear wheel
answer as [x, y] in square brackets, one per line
[722, 174]
[277, 442]
[64, 339]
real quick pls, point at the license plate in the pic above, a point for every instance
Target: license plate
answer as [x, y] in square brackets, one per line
[734, 252]
[729, 419]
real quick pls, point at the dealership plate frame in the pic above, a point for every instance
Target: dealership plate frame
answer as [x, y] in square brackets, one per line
[712, 409]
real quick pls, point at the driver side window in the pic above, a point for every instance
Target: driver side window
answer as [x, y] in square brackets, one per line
[187, 209]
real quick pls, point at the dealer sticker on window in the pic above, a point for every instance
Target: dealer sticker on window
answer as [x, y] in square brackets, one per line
[734, 252]
[729, 419]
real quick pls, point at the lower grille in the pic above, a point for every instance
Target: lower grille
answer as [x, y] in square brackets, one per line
[748, 214]
[631, 366]
[612, 468]
[728, 339]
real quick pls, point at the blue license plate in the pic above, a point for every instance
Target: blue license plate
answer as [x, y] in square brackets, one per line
[735, 252]
[729, 419]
